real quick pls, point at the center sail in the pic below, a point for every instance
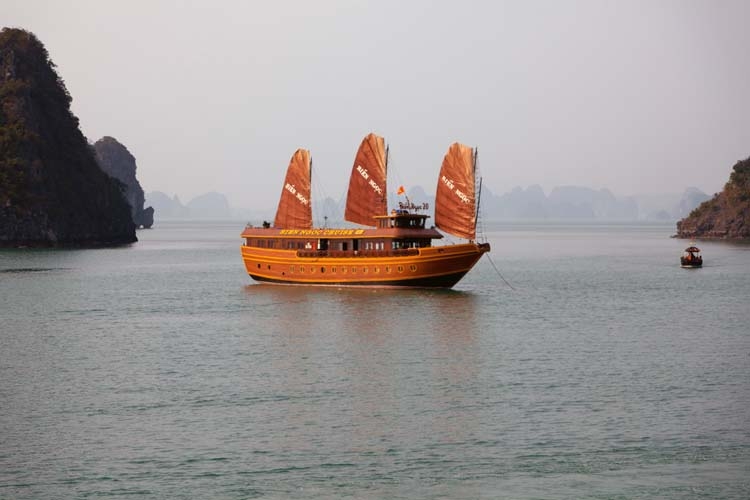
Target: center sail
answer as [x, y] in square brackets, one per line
[367, 193]
[295, 211]
[455, 204]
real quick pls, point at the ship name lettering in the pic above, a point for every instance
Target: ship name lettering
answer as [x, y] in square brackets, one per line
[463, 197]
[447, 182]
[320, 232]
[363, 172]
[375, 187]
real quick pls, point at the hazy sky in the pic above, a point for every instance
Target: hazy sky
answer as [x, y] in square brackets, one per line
[636, 96]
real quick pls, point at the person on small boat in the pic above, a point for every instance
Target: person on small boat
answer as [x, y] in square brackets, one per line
[692, 257]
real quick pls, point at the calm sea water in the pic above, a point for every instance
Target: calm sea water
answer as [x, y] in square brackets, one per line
[161, 371]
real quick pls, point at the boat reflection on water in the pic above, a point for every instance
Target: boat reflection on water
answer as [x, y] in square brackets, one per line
[372, 361]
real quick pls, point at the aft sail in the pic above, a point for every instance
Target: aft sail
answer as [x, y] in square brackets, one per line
[367, 195]
[295, 211]
[455, 204]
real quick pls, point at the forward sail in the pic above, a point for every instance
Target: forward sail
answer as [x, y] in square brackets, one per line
[367, 195]
[455, 204]
[295, 211]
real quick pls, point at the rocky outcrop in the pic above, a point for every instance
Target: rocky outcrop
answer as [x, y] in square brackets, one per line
[727, 214]
[52, 192]
[117, 162]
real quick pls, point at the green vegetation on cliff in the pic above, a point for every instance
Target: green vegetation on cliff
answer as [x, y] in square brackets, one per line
[727, 214]
[52, 192]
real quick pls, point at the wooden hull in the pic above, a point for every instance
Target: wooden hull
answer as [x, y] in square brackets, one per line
[430, 267]
[691, 263]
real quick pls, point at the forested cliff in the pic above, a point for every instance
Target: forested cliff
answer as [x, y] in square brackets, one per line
[52, 191]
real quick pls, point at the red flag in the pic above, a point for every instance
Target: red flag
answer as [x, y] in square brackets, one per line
[400, 190]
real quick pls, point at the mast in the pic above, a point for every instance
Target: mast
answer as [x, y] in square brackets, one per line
[479, 192]
[385, 191]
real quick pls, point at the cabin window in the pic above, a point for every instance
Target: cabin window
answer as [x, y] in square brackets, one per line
[412, 268]
[343, 270]
[400, 269]
[364, 270]
[322, 269]
[377, 270]
[258, 265]
[333, 269]
[291, 269]
[354, 270]
[388, 269]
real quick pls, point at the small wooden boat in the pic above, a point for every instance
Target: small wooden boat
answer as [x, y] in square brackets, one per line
[395, 249]
[691, 257]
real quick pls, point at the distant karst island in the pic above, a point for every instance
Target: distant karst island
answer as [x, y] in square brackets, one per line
[727, 214]
[563, 203]
[52, 189]
[117, 162]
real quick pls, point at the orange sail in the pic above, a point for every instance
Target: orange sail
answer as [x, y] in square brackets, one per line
[366, 197]
[295, 211]
[455, 204]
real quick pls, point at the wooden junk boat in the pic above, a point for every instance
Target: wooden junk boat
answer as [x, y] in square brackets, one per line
[691, 257]
[395, 250]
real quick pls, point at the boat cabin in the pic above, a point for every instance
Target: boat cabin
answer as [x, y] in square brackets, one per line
[394, 234]
[401, 219]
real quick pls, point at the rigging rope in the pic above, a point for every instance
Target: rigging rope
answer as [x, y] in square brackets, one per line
[498, 272]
